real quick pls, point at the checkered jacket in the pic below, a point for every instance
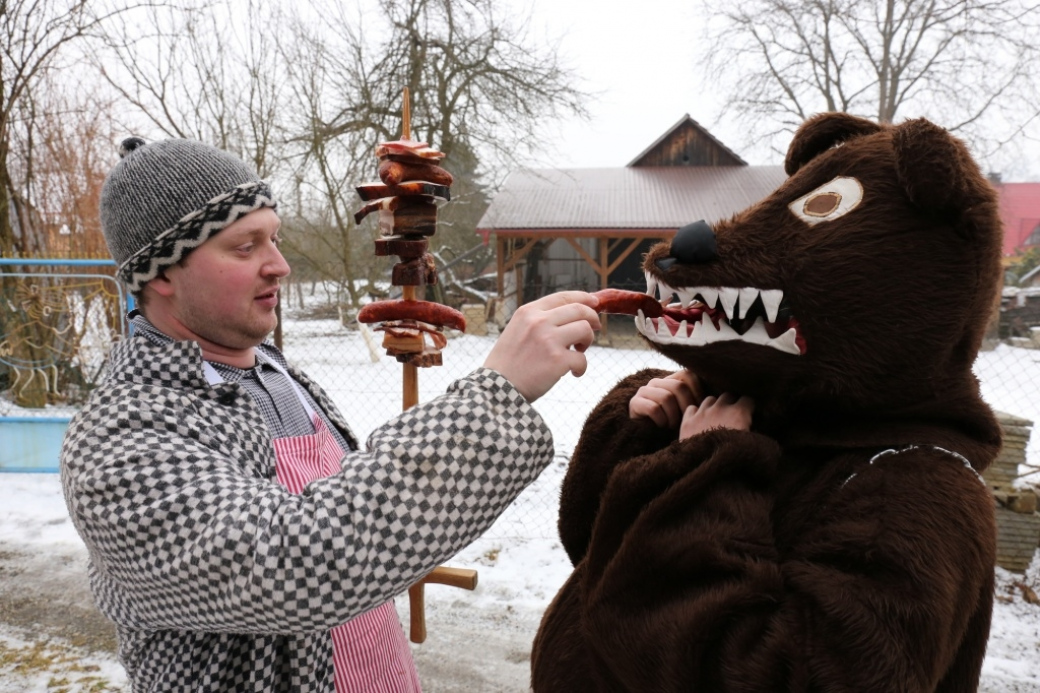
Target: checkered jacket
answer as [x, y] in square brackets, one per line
[217, 578]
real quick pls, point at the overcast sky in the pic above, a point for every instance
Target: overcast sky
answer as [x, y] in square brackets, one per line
[639, 57]
[640, 62]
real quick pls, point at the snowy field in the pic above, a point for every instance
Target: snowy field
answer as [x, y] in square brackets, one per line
[480, 640]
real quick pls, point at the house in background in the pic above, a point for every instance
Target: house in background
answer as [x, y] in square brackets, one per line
[588, 229]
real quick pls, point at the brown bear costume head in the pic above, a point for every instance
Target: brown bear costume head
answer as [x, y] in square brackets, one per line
[864, 283]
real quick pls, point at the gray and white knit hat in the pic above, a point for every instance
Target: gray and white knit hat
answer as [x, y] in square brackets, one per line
[164, 199]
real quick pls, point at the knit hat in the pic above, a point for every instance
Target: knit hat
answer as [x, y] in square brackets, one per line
[164, 199]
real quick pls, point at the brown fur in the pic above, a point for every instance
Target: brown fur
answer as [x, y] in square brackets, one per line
[750, 561]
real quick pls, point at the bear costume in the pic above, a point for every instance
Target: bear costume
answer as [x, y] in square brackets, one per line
[847, 541]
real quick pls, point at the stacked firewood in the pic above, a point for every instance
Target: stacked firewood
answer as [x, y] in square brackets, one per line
[1018, 523]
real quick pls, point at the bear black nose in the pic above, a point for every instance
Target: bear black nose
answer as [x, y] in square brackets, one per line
[693, 244]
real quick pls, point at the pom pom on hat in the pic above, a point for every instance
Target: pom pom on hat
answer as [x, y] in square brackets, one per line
[128, 145]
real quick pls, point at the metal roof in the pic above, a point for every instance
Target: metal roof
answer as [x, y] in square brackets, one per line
[626, 198]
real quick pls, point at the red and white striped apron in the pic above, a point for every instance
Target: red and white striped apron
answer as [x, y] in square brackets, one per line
[369, 652]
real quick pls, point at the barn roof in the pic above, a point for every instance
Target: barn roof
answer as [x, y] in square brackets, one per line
[626, 198]
[672, 132]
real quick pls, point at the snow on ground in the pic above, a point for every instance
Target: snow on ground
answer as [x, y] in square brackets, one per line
[493, 626]
[480, 640]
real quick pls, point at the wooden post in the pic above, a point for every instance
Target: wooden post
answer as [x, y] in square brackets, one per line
[455, 577]
[410, 390]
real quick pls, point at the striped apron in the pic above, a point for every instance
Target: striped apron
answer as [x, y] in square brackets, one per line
[369, 652]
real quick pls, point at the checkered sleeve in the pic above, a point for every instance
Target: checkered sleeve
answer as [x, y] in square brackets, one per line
[186, 533]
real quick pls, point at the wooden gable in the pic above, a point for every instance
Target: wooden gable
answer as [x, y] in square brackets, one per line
[687, 144]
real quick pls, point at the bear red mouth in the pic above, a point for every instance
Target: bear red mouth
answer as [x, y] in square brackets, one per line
[708, 315]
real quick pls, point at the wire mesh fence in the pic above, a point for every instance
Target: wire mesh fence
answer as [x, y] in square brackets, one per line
[367, 386]
[81, 315]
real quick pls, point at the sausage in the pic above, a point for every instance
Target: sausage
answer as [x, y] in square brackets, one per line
[409, 148]
[416, 272]
[402, 246]
[406, 204]
[395, 204]
[623, 302]
[373, 191]
[401, 329]
[395, 172]
[416, 218]
[423, 311]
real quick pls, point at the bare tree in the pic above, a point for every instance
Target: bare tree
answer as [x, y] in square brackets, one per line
[37, 37]
[320, 233]
[481, 91]
[479, 81]
[967, 64]
[201, 70]
[309, 89]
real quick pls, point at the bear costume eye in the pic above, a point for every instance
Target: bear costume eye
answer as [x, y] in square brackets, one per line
[829, 201]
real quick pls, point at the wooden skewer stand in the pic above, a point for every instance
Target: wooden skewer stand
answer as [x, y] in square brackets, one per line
[441, 575]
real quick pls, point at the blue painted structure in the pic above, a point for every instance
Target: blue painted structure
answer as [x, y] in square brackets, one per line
[33, 443]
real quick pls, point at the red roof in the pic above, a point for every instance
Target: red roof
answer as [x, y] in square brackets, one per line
[1020, 212]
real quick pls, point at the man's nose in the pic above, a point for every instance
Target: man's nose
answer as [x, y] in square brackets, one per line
[276, 265]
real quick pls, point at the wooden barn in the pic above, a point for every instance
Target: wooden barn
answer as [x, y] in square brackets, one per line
[588, 229]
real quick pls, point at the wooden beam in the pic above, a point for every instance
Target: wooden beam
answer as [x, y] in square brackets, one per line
[500, 250]
[588, 258]
[552, 234]
[517, 256]
[625, 253]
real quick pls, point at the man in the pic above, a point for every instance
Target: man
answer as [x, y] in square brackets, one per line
[238, 536]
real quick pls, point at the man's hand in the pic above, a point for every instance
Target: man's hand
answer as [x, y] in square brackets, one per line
[725, 411]
[663, 400]
[545, 339]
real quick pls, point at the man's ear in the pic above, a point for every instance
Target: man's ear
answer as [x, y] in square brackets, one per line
[161, 285]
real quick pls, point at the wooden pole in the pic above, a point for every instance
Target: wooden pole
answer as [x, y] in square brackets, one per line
[456, 577]
[464, 578]
[410, 392]
[406, 117]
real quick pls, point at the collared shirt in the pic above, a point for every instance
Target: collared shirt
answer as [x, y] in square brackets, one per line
[271, 389]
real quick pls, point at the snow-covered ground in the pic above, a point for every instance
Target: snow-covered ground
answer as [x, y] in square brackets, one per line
[480, 640]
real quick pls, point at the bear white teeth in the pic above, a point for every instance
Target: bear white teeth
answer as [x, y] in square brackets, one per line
[734, 302]
[704, 332]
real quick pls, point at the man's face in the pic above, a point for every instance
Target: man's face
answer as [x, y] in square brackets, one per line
[226, 290]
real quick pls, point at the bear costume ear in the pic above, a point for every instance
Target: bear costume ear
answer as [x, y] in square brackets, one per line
[820, 133]
[936, 169]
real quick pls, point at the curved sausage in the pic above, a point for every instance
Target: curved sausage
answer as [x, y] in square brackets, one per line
[423, 311]
[623, 302]
[395, 172]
